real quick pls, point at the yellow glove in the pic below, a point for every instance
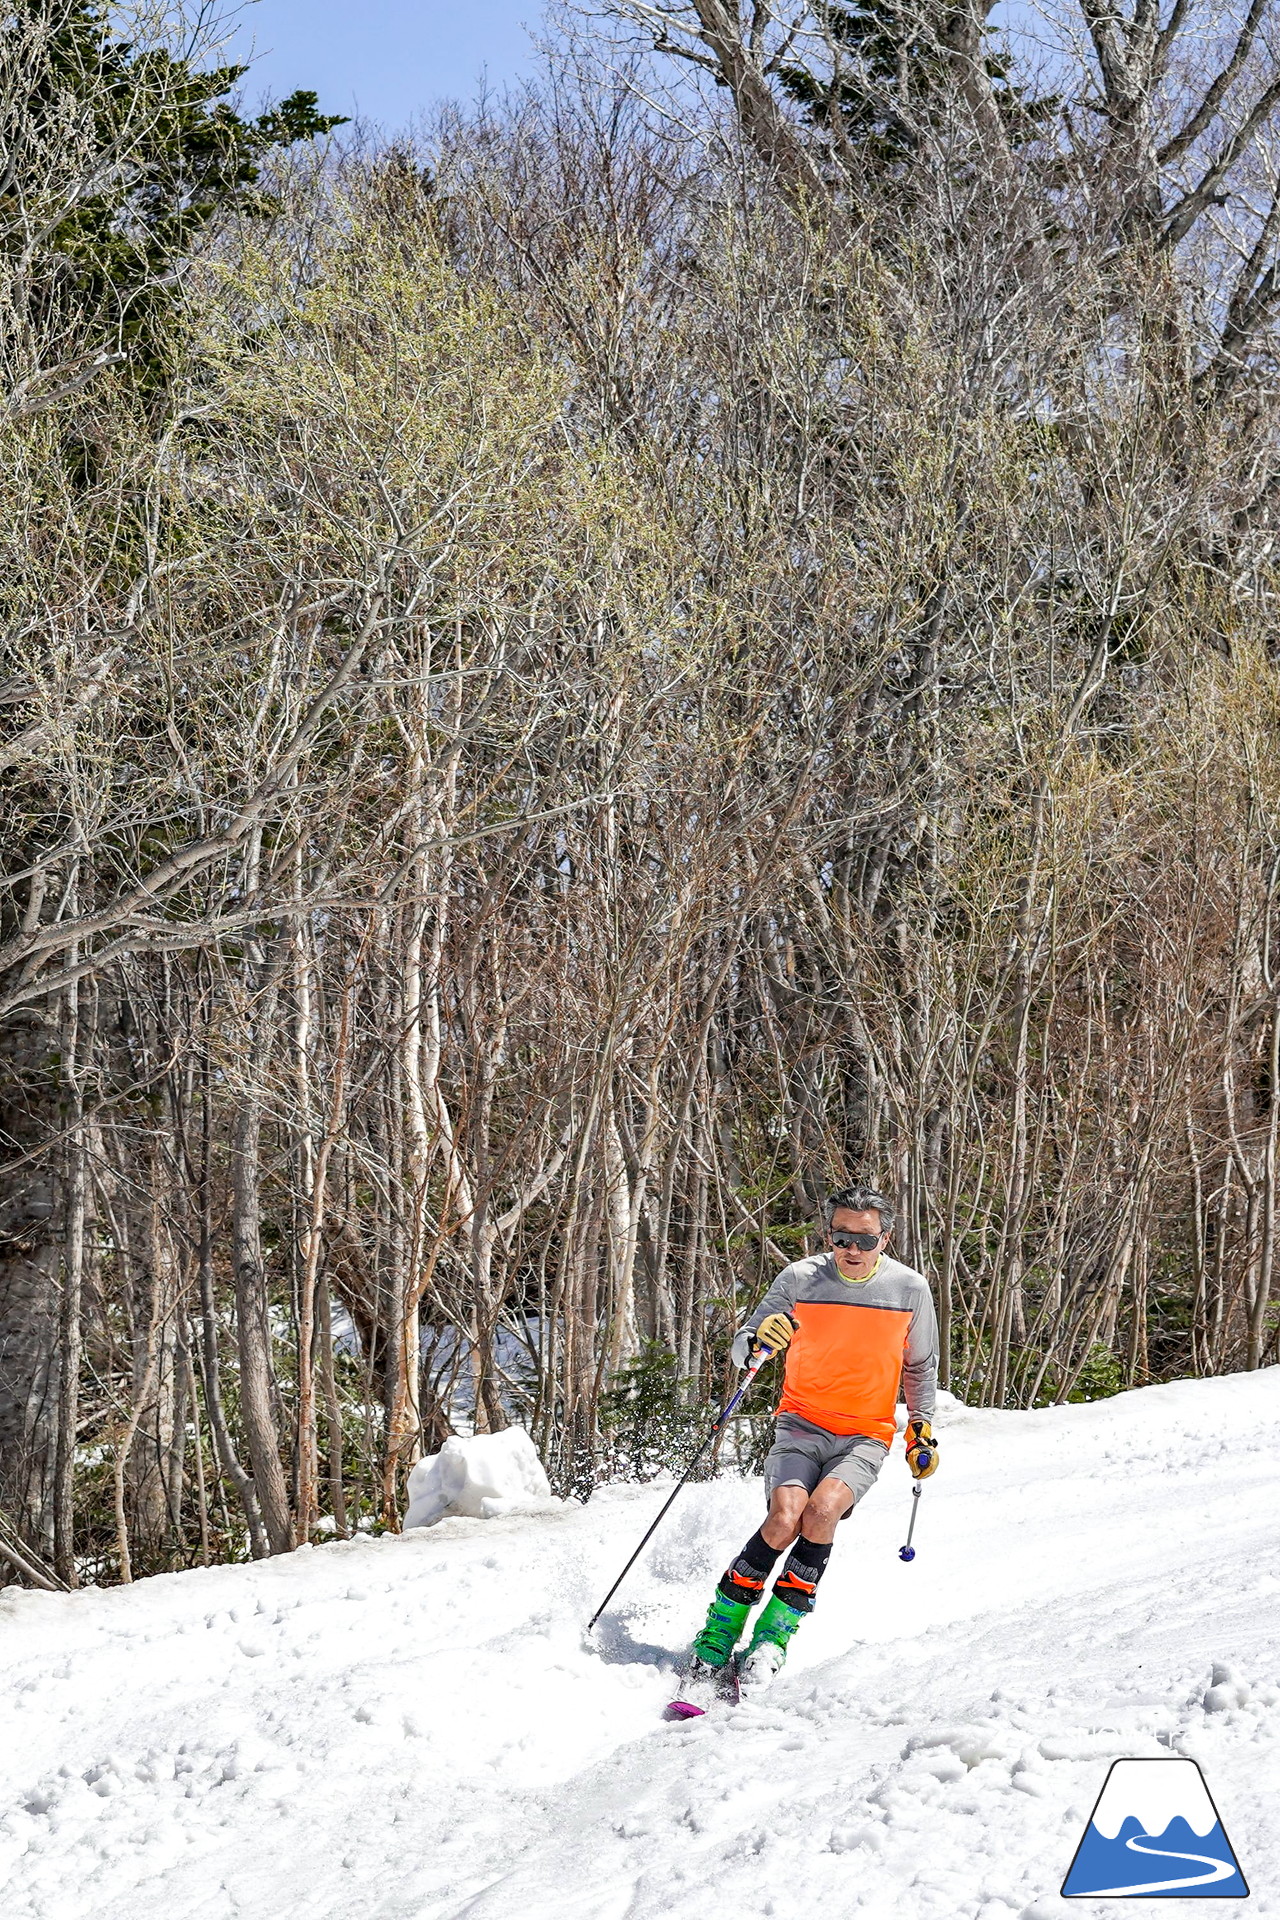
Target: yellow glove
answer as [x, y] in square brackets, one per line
[773, 1332]
[921, 1446]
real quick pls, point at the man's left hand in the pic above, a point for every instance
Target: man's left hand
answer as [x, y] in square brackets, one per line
[922, 1449]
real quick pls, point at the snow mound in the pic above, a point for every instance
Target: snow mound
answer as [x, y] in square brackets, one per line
[945, 1405]
[481, 1478]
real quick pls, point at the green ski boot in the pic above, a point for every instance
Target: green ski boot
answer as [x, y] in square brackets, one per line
[768, 1648]
[715, 1644]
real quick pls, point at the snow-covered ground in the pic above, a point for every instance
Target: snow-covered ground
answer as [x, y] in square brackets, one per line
[415, 1728]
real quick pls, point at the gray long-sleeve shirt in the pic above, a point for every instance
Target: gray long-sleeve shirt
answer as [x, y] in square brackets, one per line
[853, 1340]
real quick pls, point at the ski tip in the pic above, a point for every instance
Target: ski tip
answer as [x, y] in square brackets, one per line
[683, 1710]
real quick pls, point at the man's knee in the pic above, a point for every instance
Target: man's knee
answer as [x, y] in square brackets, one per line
[826, 1506]
[785, 1508]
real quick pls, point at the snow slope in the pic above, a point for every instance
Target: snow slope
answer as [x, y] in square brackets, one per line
[415, 1729]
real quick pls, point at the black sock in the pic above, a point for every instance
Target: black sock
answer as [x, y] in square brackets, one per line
[758, 1555]
[798, 1581]
[744, 1578]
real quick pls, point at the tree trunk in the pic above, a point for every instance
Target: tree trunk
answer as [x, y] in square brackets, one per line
[30, 1316]
[258, 1396]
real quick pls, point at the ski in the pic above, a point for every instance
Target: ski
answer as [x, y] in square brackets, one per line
[697, 1695]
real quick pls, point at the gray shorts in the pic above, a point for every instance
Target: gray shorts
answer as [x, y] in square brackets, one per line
[803, 1454]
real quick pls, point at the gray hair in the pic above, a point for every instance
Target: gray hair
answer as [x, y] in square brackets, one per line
[860, 1199]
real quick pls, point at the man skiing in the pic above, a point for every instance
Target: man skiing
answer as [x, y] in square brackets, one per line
[851, 1319]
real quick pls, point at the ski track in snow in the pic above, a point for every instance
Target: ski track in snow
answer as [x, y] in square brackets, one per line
[416, 1729]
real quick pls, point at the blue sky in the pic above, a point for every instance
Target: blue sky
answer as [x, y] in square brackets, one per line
[386, 59]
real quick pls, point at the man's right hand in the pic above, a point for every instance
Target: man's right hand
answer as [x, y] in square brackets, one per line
[774, 1332]
[922, 1448]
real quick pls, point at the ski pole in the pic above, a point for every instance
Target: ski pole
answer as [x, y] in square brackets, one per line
[766, 1353]
[908, 1552]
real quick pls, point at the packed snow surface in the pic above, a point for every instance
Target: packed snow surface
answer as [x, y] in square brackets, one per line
[417, 1729]
[477, 1479]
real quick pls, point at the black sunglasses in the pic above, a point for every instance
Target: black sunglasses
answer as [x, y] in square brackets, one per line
[862, 1241]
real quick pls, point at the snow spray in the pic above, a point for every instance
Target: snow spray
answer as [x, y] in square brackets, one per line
[766, 1353]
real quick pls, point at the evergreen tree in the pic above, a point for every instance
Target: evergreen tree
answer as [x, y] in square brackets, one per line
[892, 76]
[118, 158]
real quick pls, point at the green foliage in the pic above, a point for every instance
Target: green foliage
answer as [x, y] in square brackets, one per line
[151, 153]
[795, 1240]
[893, 80]
[1100, 1377]
[650, 1423]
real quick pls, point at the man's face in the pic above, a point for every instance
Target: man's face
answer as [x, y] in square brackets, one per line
[852, 1262]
